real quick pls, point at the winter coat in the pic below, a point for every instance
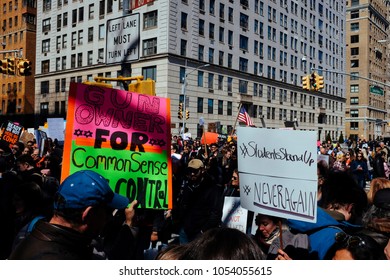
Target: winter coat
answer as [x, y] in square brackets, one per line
[322, 233]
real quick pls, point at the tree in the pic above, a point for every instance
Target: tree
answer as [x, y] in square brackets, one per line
[341, 138]
[328, 138]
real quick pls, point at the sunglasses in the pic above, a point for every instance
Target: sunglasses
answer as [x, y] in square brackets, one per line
[351, 241]
[234, 178]
[193, 171]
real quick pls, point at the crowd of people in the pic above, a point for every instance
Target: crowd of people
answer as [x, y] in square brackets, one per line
[82, 218]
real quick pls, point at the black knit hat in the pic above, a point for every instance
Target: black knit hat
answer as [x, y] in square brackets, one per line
[382, 199]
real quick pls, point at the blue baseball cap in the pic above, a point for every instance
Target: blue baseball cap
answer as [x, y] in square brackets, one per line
[87, 188]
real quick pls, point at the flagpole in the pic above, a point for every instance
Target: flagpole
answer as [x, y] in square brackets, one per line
[235, 123]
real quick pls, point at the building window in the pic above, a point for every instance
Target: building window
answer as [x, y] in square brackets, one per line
[243, 43]
[210, 81]
[243, 87]
[149, 47]
[79, 60]
[220, 82]
[46, 25]
[354, 113]
[354, 63]
[354, 126]
[354, 100]
[355, 39]
[229, 108]
[91, 11]
[80, 37]
[354, 88]
[211, 31]
[90, 57]
[200, 105]
[150, 20]
[210, 106]
[354, 14]
[201, 53]
[150, 72]
[184, 21]
[46, 45]
[102, 31]
[183, 47]
[211, 55]
[45, 66]
[354, 51]
[81, 14]
[243, 64]
[201, 27]
[63, 84]
[45, 108]
[57, 85]
[45, 87]
[200, 78]
[90, 34]
[355, 26]
[220, 107]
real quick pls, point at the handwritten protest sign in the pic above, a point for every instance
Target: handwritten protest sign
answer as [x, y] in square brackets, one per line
[11, 132]
[123, 136]
[278, 172]
[233, 215]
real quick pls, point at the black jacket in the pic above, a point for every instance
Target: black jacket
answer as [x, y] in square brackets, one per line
[53, 242]
[201, 207]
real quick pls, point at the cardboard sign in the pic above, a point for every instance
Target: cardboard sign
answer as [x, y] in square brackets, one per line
[233, 215]
[56, 128]
[278, 172]
[123, 136]
[11, 132]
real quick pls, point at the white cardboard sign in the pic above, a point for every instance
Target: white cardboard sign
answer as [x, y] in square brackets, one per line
[278, 172]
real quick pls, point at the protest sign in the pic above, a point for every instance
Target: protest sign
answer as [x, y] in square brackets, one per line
[11, 132]
[233, 215]
[278, 172]
[56, 128]
[123, 136]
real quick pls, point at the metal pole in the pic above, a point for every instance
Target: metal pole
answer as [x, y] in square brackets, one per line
[184, 92]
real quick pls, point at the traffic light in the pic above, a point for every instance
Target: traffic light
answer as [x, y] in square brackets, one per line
[319, 82]
[180, 112]
[187, 114]
[4, 66]
[147, 87]
[24, 67]
[313, 83]
[305, 82]
[11, 65]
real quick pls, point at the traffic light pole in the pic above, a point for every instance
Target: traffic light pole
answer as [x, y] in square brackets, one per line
[11, 51]
[184, 93]
[351, 75]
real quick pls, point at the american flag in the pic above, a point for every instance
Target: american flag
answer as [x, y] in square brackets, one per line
[244, 117]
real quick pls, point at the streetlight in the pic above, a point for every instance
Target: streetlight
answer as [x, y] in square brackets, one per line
[184, 90]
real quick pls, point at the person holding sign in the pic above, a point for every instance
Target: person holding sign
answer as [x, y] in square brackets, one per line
[83, 206]
[200, 203]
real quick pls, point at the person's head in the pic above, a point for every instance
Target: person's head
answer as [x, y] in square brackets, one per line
[222, 244]
[387, 250]
[171, 252]
[27, 151]
[24, 163]
[235, 181]
[377, 217]
[195, 170]
[28, 197]
[85, 202]
[266, 224]
[35, 154]
[355, 247]
[341, 193]
[376, 185]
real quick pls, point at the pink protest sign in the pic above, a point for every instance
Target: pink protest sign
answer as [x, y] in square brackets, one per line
[125, 137]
